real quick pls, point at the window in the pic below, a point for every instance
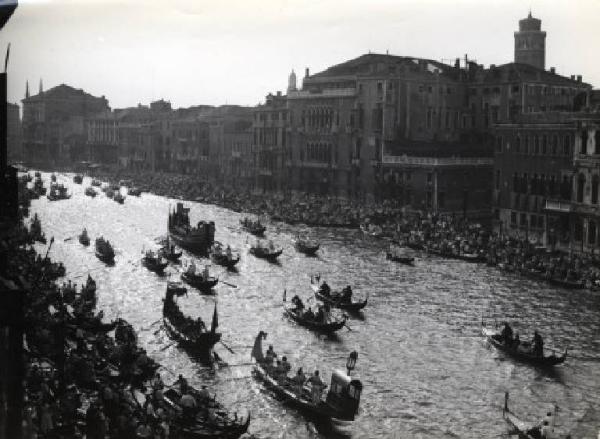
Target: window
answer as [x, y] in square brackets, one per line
[523, 220]
[567, 145]
[584, 140]
[526, 145]
[555, 145]
[544, 144]
[536, 145]
[518, 144]
[580, 187]
[441, 200]
[591, 232]
[513, 219]
[428, 199]
[429, 177]
[595, 183]
[497, 179]
[597, 141]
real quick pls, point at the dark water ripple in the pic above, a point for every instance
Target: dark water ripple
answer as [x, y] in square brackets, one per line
[427, 372]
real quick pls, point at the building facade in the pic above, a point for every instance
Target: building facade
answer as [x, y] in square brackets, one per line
[14, 133]
[54, 128]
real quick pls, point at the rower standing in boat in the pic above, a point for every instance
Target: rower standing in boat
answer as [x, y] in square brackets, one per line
[325, 290]
[347, 294]
[316, 386]
[538, 344]
[299, 381]
[507, 334]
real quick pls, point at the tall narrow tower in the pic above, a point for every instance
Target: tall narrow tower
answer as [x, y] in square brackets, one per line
[530, 43]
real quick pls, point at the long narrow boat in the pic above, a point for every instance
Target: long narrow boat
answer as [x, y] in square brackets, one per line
[342, 400]
[104, 251]
[327, 327]
[154, 262]
[522, 354]
[307, 246]
[224, 258]
[524, 429]
[270, 254]
[334, 301]
[198, 281]
[188, 333]
[407, 260]
[564, 283]
[222, 426]
[254, 227]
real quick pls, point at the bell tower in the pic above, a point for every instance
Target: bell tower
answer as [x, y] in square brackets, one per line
[530, 43]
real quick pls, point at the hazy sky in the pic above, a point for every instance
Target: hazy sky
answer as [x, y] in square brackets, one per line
[236, 51]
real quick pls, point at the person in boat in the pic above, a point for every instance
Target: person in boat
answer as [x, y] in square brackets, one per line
[228, 252]
[507, 334]
[188, 404]
[257, 348]
[516, 342]
[298, 381]
[191, 268]
[286, 366]
[538, 344]
[206, 274]
[204, 395]
[298, 305]
[309, 315]
[183, 384]
[324, 289]
[347, 294]
[279, 373]
[270, 355]
[316, 387]
[320, 316]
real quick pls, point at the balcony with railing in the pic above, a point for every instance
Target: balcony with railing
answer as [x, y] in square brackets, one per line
[437, 161]
[558, 206]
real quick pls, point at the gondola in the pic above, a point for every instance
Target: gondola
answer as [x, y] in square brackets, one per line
[524, 429]
[334, 301]
[154, 262]
[522, 354]
[222, 426]
[53, 177]
[342, 400]
[134, 191]
[170, 253]
[407, 260]
[270, 254]
[254, 227]
[84, 239]
[564, 283]
[188, 333]
[306, 246]
[196, 239]
[371, 230]
[96, 183]
[329, 327]
[90, 192]
[78, 178]
[104, 251]
[119, 198]
[198, 281]
[225, 258]
[58, 192]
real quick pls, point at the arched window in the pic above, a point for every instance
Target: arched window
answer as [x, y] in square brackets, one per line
[567, 145]
[536, 145]
[555, 145]
[584, 139]
[592, 230]
[518, 144]
[578, 229]
[595, 184]
[526, 145]
[597, 141]
[580, 187]
[544, 144]
[515, 182]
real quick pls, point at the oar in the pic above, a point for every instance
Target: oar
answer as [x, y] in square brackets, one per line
[69, 238]
[167, 346]
[227, 347]
[228, 284]
[152, 324]
[348, 328]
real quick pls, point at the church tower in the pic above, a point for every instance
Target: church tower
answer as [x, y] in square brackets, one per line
[26, 89]
[292, 82]
[530, 43]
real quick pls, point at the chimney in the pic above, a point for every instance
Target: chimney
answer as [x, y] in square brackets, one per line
[578, 78]
[307, 73]
[553, 70]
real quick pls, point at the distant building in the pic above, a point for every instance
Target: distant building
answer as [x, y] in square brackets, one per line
[530, 43]
[14, 133]
[103, 138]
[54, 128]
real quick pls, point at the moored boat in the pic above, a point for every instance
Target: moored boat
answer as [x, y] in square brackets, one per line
[154, 261]
[53, 177]
[342, 400]
[341, 300]
[397, 254]
[189, 333]
[522, 352]
[84, 239]
[78, 178]
[96, 183]
[253, 226]
[372, 230]
[306, 245]
[169, 252]
[104, 251]
[202, 281]
[196, 239]
[226, 258]
[58, 192]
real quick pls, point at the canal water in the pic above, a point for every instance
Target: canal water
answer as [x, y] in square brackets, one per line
[426, 371]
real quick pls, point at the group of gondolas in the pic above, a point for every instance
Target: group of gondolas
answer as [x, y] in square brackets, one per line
[532, 353]
[58, 192]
